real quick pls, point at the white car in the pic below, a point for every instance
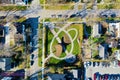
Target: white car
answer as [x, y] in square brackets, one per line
[20, 3]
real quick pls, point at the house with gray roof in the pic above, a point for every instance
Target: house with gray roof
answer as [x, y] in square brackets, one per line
[13, 1]
[5, 63]
[56, 76]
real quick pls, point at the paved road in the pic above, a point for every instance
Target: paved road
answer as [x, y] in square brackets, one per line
[47, 13]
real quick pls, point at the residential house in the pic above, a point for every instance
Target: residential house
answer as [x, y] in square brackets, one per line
[102, 50]
[56, 76]
[1, 31]
[5, 63]
[13, 1]
[114, 29]
[97, 30]
[34, 33]
[117, 55]
[76, 74]
[4, 35]
[20, 33]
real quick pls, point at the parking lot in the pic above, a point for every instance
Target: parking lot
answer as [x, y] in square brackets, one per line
[101, 67]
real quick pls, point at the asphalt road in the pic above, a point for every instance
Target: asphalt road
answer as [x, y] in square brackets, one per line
[47, 13]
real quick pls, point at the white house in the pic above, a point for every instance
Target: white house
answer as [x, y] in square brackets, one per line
[114, 28]
[96, 32]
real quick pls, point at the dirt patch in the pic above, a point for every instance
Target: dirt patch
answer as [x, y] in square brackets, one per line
[67, 39]
[58, 49]
[87, 53]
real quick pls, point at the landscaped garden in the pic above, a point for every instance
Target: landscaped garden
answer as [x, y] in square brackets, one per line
[70, 36]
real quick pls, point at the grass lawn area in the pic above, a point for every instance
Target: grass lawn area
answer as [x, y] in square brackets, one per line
[79, 27]
[118, 1]
[12, 8]
[95, 53]
[109, 6]
[42, 1]
[22, 19]
[54, 19]
[40, 57]
[77, 46]
[40, 48]
[74, 19]
[114, 49]
[53, 61]
[50, 37]
[59, 7]
[88, 6]
[28, 61]
[72, 33]
[12, 43]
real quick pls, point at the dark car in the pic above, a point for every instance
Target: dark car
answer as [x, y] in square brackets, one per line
[118, 44]
[106, 76]
[102, 77]
[93, 64]
[32, 56]
[2, 17]
[95, 76]
[73, 15]
[32, 62]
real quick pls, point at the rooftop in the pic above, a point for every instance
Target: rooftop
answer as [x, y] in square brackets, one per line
[5, 63]
[56, 76]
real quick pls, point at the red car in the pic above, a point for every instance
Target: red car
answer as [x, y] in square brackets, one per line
[95, 76]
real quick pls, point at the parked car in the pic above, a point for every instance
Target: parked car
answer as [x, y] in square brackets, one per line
[118, 44]
[73, 15]
[88, 63]
[32, 62]
[106, 76]
[94, 76]
[32, 56]
[93, 64]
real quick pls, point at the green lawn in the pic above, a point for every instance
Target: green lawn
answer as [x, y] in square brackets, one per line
[72, 33]
[77, 46]
[53, 61]
[54, 19]
[42, 1]
[40, 47]
[109, 6]
[59, 7]
[12, 8]
[74, 19]
[95, 53]
[22, 19]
